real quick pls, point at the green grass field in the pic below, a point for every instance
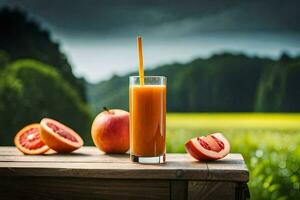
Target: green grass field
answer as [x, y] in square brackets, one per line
[270, 144]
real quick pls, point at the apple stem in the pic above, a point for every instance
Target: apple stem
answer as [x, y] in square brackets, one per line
[106, 109]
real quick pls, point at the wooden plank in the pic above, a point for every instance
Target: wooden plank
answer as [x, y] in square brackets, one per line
[76, 157]
[232, 167]
[178, 190]
[11, 150]
[66, 158]
[105, 170]
[36, 188]
[90, 162]
[242, 191]
[84, 154]
[211, 190]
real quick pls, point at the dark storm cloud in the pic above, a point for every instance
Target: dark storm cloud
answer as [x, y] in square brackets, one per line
[178, 17]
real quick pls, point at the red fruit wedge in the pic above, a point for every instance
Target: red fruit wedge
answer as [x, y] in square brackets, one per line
[59, 137]
[211, 147]
[28, 140]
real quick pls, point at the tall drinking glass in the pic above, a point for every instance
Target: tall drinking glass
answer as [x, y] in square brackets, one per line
[147, 104]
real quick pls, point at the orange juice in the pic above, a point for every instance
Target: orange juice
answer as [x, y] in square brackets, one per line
[147, 120]
[147, 97]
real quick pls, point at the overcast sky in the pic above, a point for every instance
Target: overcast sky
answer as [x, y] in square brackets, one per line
[99, 37]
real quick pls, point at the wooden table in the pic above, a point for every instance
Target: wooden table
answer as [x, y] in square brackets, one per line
[90, 174]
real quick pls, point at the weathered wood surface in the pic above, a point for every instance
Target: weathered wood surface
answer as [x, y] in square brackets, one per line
[90, 162]
[36, 188]
[90, 174]
[179, 190]
[212, 190]
[232, 168]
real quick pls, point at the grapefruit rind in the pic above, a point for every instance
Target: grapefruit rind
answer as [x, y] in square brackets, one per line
[197, 151]
[27, 151]
[56, 141]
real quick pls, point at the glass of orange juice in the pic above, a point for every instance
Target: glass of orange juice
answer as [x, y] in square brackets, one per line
[147, 102]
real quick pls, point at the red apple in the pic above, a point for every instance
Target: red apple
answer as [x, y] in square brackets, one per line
[110, 131]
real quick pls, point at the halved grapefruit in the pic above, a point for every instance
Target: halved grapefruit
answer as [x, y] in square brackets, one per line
[28, 140]
[58, 136]
[211, 147]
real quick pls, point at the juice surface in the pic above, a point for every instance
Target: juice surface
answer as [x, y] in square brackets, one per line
[147, 120]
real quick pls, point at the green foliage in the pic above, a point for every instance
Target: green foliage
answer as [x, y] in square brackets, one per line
[269, 144]
[279, 87]
[21, 37]
[31, 90]
[4, 59]
[222, 83]
[111, 94]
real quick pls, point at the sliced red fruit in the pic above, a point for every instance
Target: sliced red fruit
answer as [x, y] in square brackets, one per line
[211, 147]
[59, 137]
[212, 143]
[28, 140]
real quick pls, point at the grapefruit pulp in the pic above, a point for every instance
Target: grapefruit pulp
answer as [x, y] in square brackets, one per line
[58, 136]
[211, 147]
[28, 140]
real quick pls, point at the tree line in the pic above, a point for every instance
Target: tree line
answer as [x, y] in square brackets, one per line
[222, 83]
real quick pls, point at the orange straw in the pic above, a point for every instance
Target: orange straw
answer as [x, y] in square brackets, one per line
[141, 62]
